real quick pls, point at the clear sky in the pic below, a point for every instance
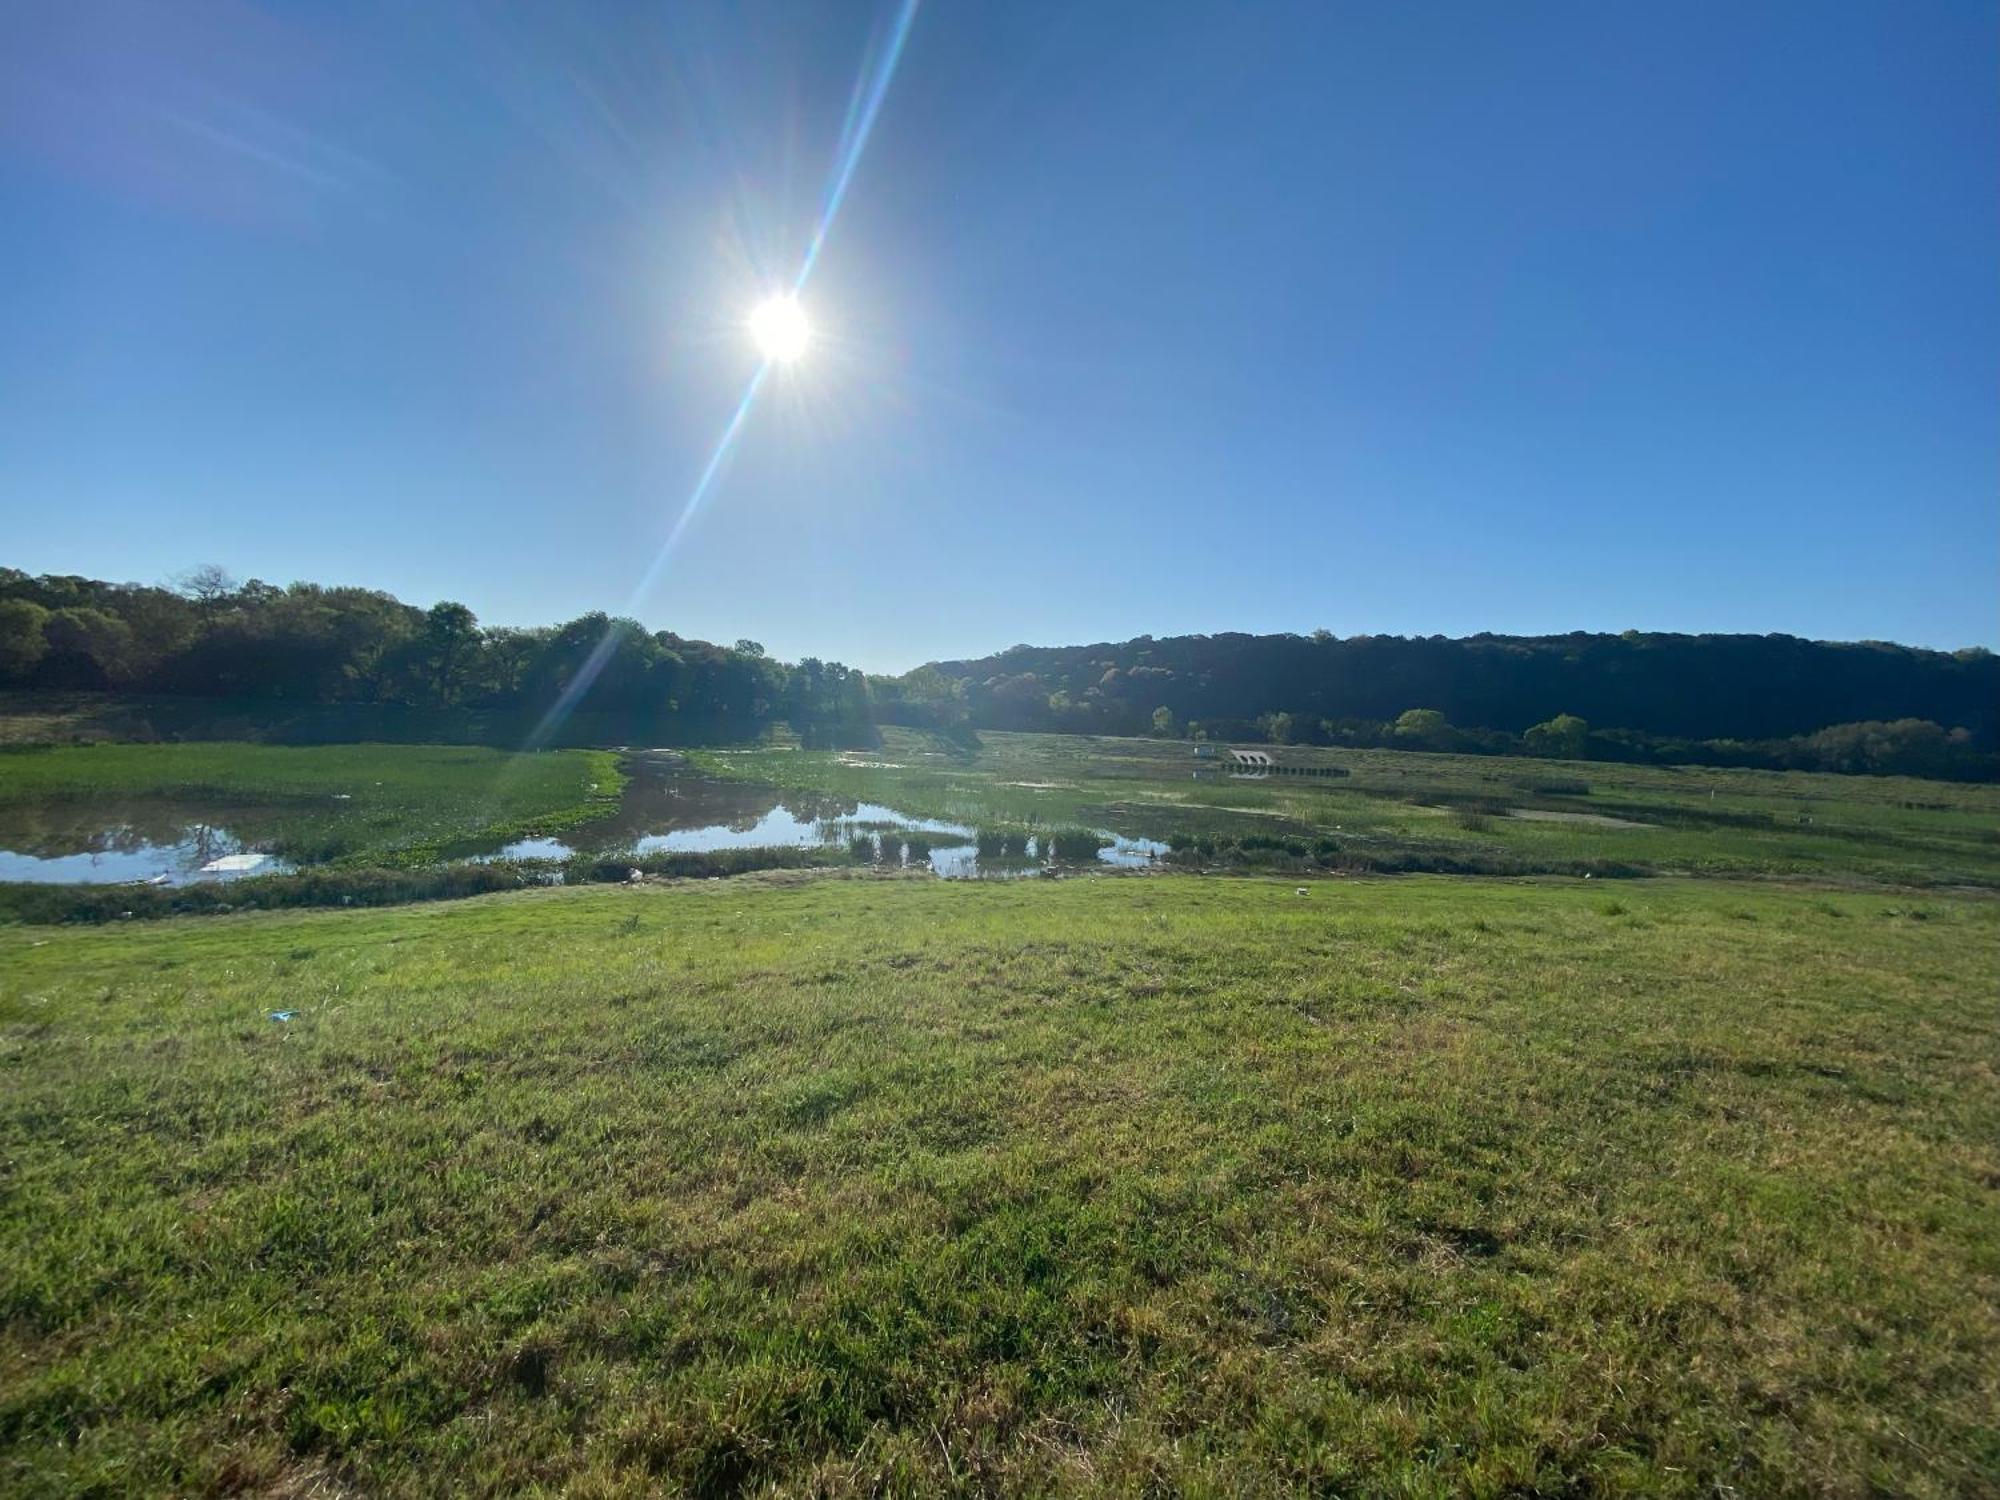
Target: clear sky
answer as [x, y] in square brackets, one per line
[1136, 318]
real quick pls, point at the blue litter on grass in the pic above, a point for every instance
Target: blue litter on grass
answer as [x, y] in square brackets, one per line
[283, 1015]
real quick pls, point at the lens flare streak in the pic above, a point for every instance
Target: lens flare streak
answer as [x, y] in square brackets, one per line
[717, 461]
[862, 108]
[593, 664]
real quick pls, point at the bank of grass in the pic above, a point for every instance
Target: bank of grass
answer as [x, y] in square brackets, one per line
[78, 718]
[89, 904]
[1294, 854]
[357, 805]
[847, 1187]
[1405, 810]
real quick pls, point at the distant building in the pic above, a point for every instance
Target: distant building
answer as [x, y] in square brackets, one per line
[1204, 752]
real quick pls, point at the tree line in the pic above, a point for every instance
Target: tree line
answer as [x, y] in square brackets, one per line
[209, 636]
[1771, 701]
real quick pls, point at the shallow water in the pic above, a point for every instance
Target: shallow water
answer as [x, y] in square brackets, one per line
[664, 810]
[160, 842]
[962, 862]
[683, 812]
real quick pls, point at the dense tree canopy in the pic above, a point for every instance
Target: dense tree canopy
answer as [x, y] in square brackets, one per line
[209, 636]
[1720, 699]
[1723, 700]
[1695, 686]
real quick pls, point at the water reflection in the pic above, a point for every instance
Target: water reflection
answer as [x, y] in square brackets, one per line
[159, 842]
[670, 811]
[664, 810]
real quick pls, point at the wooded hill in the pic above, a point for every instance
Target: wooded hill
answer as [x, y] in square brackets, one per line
[1737, 699]
[1770, 700]
[305, 643]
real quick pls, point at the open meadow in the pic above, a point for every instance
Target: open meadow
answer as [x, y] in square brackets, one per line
[1226, 1167]
[850, 1185]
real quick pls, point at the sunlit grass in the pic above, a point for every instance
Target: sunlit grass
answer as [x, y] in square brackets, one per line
[846, 1186]
[1394, 805]
[374, 804]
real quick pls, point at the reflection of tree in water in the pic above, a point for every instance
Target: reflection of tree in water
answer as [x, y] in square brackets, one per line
[658, 804]
[802, 808]
[805, 809]
[820, 811]
[54, 830]
[209, 842]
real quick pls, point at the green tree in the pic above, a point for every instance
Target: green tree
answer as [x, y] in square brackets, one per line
[1424, 729]
[1163, 723]
[21, 640]
[449, 643]
[93, 644]
[1565, 737]
[1907, 747]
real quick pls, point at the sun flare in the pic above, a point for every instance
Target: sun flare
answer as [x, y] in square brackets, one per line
[778, 324]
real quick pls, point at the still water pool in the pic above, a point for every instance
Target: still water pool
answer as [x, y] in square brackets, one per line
[161, 842]
[683, 812]
[666, 809]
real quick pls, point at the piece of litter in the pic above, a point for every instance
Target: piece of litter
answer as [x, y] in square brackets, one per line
[232, 863]
[1302, 890]
[283, 1015]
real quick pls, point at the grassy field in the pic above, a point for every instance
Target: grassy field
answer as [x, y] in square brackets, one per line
[76, 718]
[1468, 808]
[369, 804]
[842, 1186]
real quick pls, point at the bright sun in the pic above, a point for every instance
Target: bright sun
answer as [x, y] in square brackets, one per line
[778, 325]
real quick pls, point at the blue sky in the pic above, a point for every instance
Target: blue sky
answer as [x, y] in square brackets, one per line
[1136, 318]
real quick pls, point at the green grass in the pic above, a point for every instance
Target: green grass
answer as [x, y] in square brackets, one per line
[90, 903]
[1403, 809]
[357, 804]
[819, 1184]
[67, 718]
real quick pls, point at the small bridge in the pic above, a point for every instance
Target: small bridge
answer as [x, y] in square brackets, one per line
[1258, 764]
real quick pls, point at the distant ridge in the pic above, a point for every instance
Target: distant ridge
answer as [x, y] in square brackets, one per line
[1695, 686]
